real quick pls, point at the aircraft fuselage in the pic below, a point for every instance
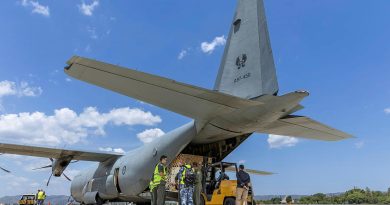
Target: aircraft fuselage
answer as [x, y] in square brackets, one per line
[130, 175]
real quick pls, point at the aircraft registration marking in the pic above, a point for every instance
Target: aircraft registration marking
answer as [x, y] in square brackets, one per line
[239, 78]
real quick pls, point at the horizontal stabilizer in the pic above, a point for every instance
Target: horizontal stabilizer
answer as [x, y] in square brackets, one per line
[56, 153]
[194, 102]
[300, 126]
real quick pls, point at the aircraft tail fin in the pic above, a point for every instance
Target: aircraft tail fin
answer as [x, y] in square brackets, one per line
[247, 69]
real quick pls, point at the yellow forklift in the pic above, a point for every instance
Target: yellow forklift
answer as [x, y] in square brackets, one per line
[219, 189]
[27, 199]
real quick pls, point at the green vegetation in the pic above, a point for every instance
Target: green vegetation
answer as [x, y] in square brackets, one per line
[353, 196]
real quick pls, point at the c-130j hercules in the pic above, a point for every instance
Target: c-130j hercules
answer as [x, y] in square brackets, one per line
[244, 101]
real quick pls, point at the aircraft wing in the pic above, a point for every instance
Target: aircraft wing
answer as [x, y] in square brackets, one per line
[56, 153]
[194, 102]
[300, 126]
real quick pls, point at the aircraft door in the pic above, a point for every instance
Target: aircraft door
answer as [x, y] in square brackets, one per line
[116, 180]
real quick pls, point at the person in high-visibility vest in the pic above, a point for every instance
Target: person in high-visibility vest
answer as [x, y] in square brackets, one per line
[44, 197]
[158, 182]
[36, 197]
[40, 197]
[187, 181]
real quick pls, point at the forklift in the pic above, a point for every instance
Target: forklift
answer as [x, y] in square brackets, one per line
[219, 189]
[27, 199]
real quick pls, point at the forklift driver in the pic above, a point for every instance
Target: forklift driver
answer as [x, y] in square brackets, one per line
[222, 176]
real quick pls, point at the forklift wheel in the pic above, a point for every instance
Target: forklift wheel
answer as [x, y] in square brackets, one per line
[202, 201]
[229, 201]
[252, 202]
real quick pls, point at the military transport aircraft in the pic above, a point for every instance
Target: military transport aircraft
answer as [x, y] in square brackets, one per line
[243, 101]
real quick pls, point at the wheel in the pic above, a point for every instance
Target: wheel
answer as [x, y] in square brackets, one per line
[99, 201]
[229, 201]
[143, 203]
[252, 202]
[202, 201]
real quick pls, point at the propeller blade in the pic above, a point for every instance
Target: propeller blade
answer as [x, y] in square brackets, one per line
[74, 161]
[66, 177]
[258, 172]
[44, 167]
[48, 181]
[5, 170]
[250, 171]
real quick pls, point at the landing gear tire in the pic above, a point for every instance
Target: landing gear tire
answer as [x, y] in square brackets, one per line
[229, 201]
[202, 201]
[252, 202]
[143, 203]
[99, 201]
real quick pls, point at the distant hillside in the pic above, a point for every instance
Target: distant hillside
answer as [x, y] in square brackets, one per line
[54, 200]
[269, 197]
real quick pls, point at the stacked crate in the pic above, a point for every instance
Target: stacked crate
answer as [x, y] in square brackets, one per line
[174, 168]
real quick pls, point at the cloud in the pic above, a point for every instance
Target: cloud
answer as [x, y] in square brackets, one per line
[387, 110]
[36, 7]
[359, 144]
[241, 161]
[26, 163]
[40, 9]
[92, 32]
[87, 9]
[87, 48]
[149, 135]
[182, 54]
[210, 47]
[279, 141]
[65, 126]
[23, 89]
[110, 149]
[14, 181]
[7, 88]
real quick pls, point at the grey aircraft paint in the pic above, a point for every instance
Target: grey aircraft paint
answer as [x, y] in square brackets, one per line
[135, 168]
[247, 69]
[244, 102]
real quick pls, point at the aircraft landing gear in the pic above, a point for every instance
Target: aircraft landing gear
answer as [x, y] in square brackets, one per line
[229, 201]
[99, 201]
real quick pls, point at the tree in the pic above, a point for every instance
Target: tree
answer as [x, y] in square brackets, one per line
[289, 199]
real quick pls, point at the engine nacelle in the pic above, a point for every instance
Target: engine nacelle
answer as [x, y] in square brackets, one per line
[91, 197]
[59, 165]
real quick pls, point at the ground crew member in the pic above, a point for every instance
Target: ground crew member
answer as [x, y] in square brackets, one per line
[36, 197]
[44, 197]
[40, 197]
[222, 176]
[198, 183]
[243, 183]
[187, 182]
[158, 182]
[178, 179]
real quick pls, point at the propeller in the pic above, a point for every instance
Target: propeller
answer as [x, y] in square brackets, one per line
[50, 166]
[48, 181]
[44, 167]
[250, 171]
[5, 170]
[66, 177]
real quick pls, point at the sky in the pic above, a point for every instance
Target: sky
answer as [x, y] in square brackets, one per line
[338, 50]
